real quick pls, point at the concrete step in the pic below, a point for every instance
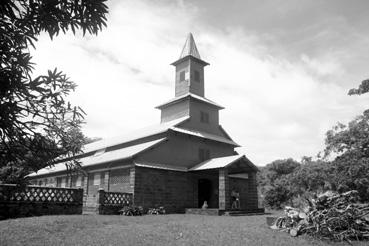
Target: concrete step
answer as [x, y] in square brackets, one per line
[258, 211]
[208, 211]
[89, 210]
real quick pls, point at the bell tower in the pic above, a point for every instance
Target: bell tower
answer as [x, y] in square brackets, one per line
[189, 70]
[189, 100]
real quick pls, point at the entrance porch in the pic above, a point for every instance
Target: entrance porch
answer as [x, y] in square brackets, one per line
[227, 184]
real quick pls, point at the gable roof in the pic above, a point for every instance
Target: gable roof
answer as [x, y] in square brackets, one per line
[221, 162]
[190, 95]
[103, 157]
[134, 135]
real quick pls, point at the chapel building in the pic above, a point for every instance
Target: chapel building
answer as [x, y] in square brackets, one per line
[185, 160]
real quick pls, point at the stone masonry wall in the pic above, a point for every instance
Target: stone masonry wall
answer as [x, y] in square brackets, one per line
[155, 187]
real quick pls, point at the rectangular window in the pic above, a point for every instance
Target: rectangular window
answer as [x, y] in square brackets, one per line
[197, 76]
[79, 181]
[182, 76]
[63, 182]
[204, 154]
[204, 117]
[97, 179]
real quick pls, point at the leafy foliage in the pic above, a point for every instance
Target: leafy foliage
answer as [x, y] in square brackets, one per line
[278, 194]
[363, 88]
[347, 147]
[274, 183]
[352, 139]
[36, 123]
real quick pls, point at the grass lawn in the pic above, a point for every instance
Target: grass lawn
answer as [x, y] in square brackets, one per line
[175, 229]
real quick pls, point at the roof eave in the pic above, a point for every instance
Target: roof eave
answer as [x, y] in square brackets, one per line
[175, 100]
[204, 63]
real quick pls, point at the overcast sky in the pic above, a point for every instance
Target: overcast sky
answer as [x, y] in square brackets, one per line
[281, 68]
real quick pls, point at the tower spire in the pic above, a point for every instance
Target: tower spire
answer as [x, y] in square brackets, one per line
[189, 48]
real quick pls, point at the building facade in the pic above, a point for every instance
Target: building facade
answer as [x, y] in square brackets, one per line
[180, 163]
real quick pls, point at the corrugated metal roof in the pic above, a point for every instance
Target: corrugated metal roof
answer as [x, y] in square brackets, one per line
[203, 99]
[115, 155]
[141, 133]
[161, 166]
[215, 163]
[189, 48]
[205, 135]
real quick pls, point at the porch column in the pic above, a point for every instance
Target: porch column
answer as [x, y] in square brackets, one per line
[106, 180]
[85, 189]
[224, 199]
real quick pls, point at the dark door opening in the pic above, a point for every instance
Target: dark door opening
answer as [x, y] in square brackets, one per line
[204, 191]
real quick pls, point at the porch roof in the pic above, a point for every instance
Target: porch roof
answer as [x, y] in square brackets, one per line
[222, 162]
[160, 166]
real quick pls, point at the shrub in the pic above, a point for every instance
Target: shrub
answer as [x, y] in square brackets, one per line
[131, 211]
[159, 210]
[277, 196]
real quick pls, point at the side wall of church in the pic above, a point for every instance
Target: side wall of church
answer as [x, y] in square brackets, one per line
[157, 187]
[197, 86]
[196, 123]
[183, 150]
[175, 111]
[181, 87]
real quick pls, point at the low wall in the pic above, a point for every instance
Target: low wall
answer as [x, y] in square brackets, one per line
[26, 201]
[112, 202]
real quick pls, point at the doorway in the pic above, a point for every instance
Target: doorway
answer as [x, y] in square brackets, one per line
[204, 191]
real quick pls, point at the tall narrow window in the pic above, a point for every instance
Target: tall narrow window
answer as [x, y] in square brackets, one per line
[197, 76]
[79, 181]
[97, 179]
[182, 76]
[204, 117]
[204, 154]
[63, 182]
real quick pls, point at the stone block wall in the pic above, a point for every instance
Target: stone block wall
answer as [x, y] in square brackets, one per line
[156, 187]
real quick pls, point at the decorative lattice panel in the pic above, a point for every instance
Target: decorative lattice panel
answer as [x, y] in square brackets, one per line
[119, 176]
[117, 198]
[10, 193]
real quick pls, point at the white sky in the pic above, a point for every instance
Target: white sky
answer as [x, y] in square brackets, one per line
[283, 85]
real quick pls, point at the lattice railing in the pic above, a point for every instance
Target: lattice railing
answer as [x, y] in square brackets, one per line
[117, 198]
[12, 193]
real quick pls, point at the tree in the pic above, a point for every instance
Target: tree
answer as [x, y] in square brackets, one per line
[363, 88]
[350, 145]
[273, 181]
[37, 124]
[278, 194]
[351, 139]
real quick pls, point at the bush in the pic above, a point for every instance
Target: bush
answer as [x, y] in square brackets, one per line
[277, 196]
[131, 211]
[159, 210]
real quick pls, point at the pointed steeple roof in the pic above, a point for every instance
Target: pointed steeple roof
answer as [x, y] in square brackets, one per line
[190, 49]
